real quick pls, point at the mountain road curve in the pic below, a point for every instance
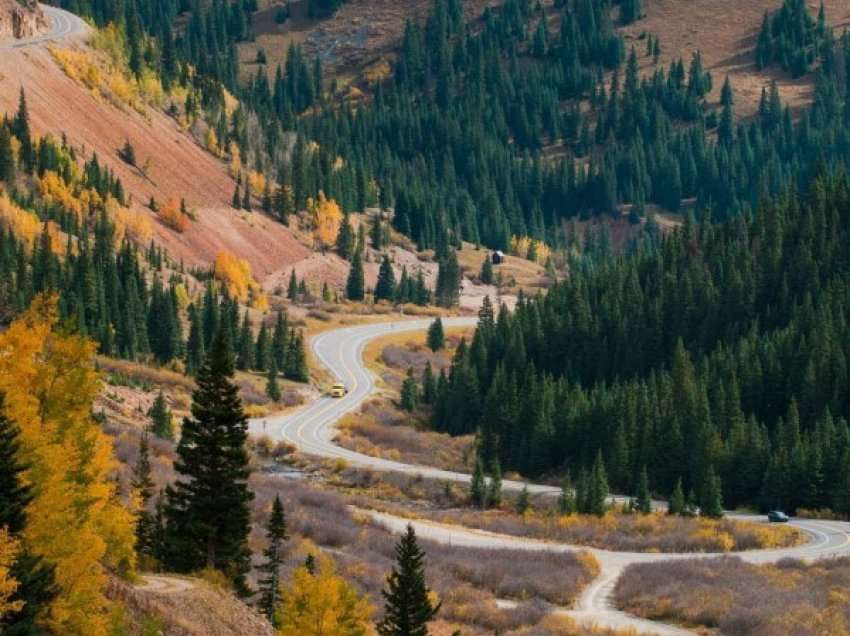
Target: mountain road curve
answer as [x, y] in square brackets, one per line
[311, 430]
[63, 26]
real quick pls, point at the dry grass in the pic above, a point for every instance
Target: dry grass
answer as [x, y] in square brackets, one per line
[381, 430]
[737, 598]
[633, 532]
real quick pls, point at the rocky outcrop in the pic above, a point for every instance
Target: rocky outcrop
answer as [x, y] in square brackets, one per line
[21, 19]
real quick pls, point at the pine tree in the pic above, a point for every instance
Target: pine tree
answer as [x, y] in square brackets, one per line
[296, 359]
[355, 288]
[237, 201]
[448, 281]
[494, 490]
[436, 336]
[486, 275]
[408, 606]
[207, 512]
[643, 501]
[262, 349]
[345, 238]
[523, 503]
[385, 288]
[280, 340]
[566, 499]
[597, 493]
[35, 578]
[409, 392]
[377, 234]
[161, 419]
[143, 485]
[195, 343]
[21, 130]
[292, 291]
[478, 486]
[677, 500]
[269, 579]
[245, 349]
[272, 387]
[429, 386]
[7, 157]
[712, 495]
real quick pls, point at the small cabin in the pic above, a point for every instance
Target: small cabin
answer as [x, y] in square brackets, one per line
[498, 257]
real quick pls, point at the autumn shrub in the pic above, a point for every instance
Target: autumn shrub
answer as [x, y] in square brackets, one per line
[657, 532]
[737, 598]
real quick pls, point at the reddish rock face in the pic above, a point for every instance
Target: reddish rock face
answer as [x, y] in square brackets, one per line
[21, 19]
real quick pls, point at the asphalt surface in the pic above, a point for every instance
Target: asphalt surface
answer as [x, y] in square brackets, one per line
[63, 26]
[311, 429]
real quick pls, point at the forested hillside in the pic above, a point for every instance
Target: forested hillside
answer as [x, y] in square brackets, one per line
[460, 138]
[719, 348]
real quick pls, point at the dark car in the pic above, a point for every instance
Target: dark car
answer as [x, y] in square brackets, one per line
[777, 516]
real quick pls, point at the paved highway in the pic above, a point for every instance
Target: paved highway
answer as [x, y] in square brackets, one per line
[311, 430]
[63, 26]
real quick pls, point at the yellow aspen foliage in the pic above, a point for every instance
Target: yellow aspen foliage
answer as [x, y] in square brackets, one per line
[75, 521]
[327, 217]
[235, 274]
[322, 604]
[9, 547]
[257, 181]
[25, 225]
[129, 223]
[172, 216]
[54, 191]
[212, 142]
[235, 159]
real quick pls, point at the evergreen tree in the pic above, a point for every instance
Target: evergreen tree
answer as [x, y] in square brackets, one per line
[567, 498]
[161, 419]
[677, 500]
[409, 392]
[597, 492]
[523, 503]
[345, 238]
[7, 156]
[143, 485]
[272, 386]
[494, 490]
[292, 290]
[486, 275]
[377, 234]
[385, 288]
[262, 349]
[448, 281]
[355, 288]
[436, 335]
[269, 579]
[643, 502]
[478, 486]
[408, 606]
[296, 359]
[429, 385]
[207, 512]
[280, 340]
[712, 495]
[36, 587]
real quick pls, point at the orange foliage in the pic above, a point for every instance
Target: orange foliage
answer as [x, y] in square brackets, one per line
[75, 521]
[9, 547]
[24, 225]
[172, 216]
[257, 181]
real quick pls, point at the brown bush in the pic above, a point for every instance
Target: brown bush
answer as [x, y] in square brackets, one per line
[737, 598]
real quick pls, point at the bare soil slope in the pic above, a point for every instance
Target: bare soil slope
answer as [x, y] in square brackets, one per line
[178, 166]
[725, 32]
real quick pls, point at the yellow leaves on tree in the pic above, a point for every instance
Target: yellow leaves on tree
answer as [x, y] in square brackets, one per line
[326, 217]
[526, 247]
[128, 223]
[235, 274]
[212, 142]
[257, 181]
[26, 226]
[173, 216]
[235, 159]
[322, 604]
[75, 520]
[8, 550]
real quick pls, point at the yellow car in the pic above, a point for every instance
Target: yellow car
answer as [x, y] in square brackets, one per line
[338, 390]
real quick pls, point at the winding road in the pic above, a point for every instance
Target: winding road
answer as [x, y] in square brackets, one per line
[63, 26]
[311, 429]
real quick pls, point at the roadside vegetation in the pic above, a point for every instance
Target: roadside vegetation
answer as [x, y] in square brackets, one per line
[738, 598]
